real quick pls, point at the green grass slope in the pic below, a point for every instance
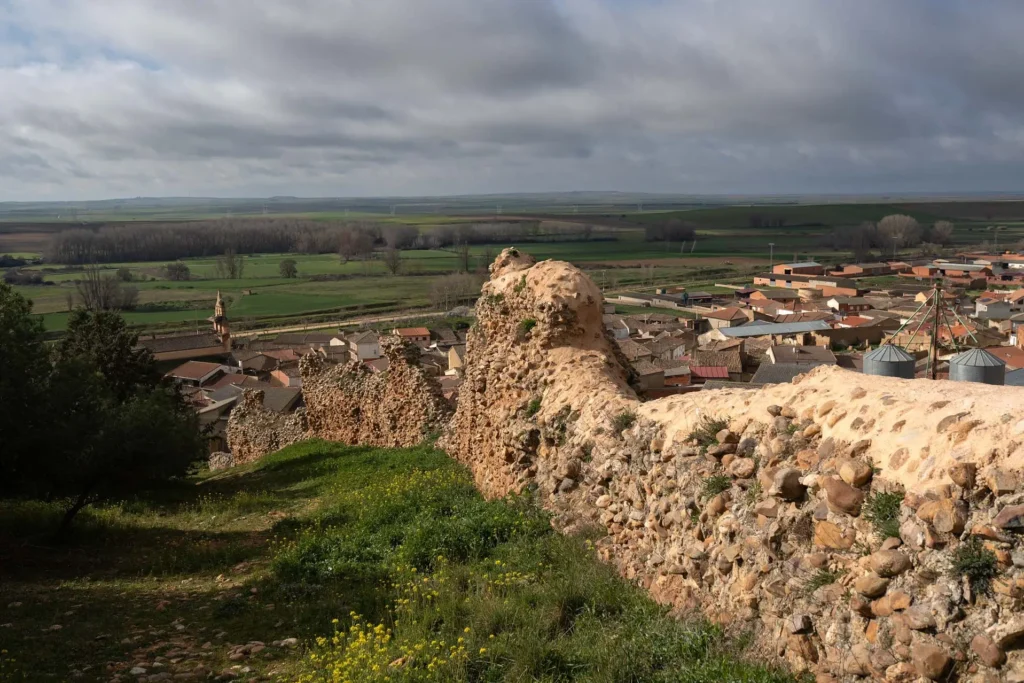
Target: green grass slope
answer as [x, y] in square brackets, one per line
[332, 563]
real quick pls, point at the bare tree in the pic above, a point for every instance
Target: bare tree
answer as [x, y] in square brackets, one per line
[941, 232]
[392, 259]
[462, 254]
[899, 230]
[99, 292]
[485, 259]
[451, 290]
[230, 266]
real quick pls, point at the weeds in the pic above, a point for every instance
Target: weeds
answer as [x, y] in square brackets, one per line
[754, 492]
[822, 577]
[533, 407]
[520, 286]
[706, 432]
[973, 560]
[883, 511]
[526, 326]
[623, 420]
[716, 484]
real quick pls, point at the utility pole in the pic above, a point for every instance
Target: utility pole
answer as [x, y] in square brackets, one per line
[933, 357]
[771, 256]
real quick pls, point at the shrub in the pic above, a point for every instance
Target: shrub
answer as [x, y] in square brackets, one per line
[822, 577]
[533, 407]
[716, 484]
[526, 326]
[623, 420]
[973, 560]
[883, 511]
[706, 432]
[521, 285]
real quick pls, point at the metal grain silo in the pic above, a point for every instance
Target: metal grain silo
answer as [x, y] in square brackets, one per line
[977, 365]
[889, 361]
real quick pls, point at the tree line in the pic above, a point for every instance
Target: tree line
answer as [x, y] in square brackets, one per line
[90, 418]
[349, 239]
[893, 232]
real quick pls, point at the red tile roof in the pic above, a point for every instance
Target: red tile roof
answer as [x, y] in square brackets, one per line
[412, 332]
[709, 372]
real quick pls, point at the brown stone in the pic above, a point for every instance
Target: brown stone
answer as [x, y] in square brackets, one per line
[871, 585]
[718, 504]
[826, 407]
[1002, 481]
[964, 474]
[742, 468]
[1010, 518]
[889, 563]
[786, 484]
[950, 516]
[919, 618]
[855, 472]
[726, 436]
[807, 459]
[871, 632]
[842, 497]
[931, 661]
[988, 652]
[888, 604]
[769, 508]
[828, 535]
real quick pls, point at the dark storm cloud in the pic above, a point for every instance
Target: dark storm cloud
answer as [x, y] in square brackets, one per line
[410, 97]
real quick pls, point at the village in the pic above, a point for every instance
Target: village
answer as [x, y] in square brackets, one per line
[916, 319]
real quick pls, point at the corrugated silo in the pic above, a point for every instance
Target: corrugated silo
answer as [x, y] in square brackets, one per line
[889, 361]
[977, 365]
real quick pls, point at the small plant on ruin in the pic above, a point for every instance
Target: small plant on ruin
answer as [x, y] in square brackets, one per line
[823, 577]
[754, 492]
[533, 407]
[882, 509]
[525, 326]
[623, 420]
[716, 484]
[792, 428]
[973, 560]
[705, 434]
[520, 286]
[588, 451]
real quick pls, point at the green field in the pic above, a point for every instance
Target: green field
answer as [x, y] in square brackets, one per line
[261, 296]
[339, 561]
[728, 248]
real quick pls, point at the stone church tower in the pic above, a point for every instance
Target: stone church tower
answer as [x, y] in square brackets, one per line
[220, 323]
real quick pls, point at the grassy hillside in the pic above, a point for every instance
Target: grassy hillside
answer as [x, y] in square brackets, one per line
[332, 563]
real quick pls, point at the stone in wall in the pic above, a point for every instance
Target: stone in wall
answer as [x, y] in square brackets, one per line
[760, 508]
[253, 431]
[350, 403]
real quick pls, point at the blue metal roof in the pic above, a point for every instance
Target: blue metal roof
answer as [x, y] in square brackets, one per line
[774, 328]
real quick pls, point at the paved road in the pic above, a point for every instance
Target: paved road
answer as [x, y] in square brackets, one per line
[338, 323]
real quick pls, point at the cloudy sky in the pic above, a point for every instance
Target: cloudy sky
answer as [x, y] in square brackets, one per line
[113, 98]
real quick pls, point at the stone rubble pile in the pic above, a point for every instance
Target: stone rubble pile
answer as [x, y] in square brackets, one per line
[253, 431]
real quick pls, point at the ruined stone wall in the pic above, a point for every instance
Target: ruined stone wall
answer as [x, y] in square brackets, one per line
[253, 431]
[350, 403]
[347, 403]
[761, 507]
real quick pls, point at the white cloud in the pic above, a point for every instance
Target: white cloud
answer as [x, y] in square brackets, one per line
[345, 97]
